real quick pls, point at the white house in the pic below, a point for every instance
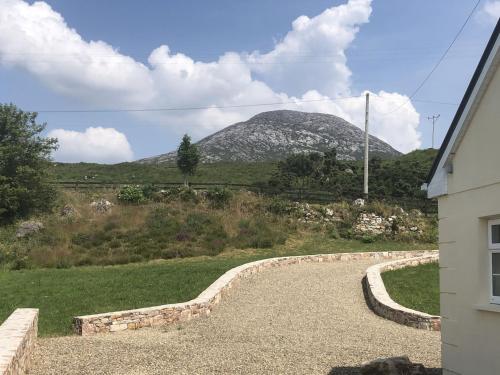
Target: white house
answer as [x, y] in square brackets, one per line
[465, 178]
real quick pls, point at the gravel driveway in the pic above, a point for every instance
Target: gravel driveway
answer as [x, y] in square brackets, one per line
[309, 318]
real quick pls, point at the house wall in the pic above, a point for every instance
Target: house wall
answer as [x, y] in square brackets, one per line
[470, 325]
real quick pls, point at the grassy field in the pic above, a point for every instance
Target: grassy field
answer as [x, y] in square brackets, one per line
[61, 294]
[235, 173]
[415, 287]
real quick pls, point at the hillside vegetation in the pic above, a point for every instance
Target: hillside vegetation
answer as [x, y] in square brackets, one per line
[134, 173]
[396, 180]
[143, 225]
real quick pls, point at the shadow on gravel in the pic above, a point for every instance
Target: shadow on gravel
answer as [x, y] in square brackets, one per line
[356, 371]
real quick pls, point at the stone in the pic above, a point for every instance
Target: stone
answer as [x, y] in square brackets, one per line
[68, 211]
[359, 202]
[392, 366]
[399, 211]
[348, 171]
[101, 206]
[27, 228]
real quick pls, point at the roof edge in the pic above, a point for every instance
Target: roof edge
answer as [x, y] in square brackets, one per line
[465, 100]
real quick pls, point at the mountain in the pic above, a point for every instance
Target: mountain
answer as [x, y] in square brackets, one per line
[276, 134]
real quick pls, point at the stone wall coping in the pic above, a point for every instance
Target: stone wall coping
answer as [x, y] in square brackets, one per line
[201, 305]
[17, 340]
[385, 306]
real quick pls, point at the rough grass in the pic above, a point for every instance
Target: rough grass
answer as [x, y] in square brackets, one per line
[415, 287]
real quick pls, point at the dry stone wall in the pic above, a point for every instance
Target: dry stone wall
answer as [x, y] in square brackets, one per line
[207, 300]
[383, 305]
[17, 341]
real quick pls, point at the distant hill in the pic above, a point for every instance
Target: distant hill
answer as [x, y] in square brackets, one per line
[274, 135]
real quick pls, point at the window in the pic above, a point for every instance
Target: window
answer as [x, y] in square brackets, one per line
[494, 254]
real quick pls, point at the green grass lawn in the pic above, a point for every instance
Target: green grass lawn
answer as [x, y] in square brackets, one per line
[61, 294]
[415, 287]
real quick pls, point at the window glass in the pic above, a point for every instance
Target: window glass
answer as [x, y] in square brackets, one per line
[495, 233]
[495, 262]
[496, 286]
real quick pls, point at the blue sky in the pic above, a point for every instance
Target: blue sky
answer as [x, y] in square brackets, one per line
[342, 48]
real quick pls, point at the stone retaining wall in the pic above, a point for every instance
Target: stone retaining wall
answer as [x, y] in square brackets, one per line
[205, 302]
[382, 304]
[17, 341]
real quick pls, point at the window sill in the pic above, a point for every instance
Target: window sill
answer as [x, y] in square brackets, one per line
[488, 307]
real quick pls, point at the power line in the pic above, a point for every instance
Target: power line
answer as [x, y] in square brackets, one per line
[435, 102]
[438, 62]
[171, 109]
[420, 100]
[188, 108]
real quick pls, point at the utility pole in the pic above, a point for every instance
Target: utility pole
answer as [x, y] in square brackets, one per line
[367, 108]
[434, 119]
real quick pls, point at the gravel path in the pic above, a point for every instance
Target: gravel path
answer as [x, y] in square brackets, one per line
[302, 319]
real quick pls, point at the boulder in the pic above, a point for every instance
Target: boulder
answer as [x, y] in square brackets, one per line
[359, 202]
[101, 206]
[27, 228]
[392, 366]
[349, 171]
[68, 211]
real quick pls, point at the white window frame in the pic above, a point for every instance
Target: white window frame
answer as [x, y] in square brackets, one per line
[494, 248]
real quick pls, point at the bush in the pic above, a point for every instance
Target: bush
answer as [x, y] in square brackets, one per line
[219, 197]
[131, 194]
[279, 206]
[149, 191]
[368, 239]
[187, 194]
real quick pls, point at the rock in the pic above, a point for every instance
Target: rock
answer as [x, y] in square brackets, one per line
[399, 211]
[371, 224]
[329, 212]
[27, 228]
[416, 213]
[68, 211]
[101, 206]
[349, 171]
[359, 202]
[392, 366]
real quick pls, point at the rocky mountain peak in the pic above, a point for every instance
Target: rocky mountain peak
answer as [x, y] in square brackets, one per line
[274, 135]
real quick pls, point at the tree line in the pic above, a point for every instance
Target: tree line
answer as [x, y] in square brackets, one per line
[396, 178]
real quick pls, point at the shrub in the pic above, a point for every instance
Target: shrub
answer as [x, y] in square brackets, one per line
[219, 197]
[368, 239]
[279, 206]
[131, 194]
[149, 191]
[187, 194]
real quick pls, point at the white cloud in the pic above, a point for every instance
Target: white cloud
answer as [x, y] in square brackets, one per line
[104, 145]
[490, 12]
[310, 43]
[98, 75]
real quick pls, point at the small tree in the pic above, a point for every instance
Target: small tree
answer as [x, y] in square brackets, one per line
[188, 158]
[24, 164]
